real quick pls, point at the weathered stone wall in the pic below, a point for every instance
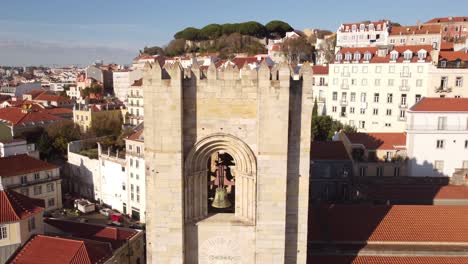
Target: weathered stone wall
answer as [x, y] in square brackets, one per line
[265, 110]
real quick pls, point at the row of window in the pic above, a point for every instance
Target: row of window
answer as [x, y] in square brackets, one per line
[378, 69]
[375, 111]
[132, 192]
[444, 82]
[37, 176]
[50, 187]
[377, 82]
[362, 27]
[378, 172]
[394, 55]
[376, 98]
[440, 144]
[81, 117]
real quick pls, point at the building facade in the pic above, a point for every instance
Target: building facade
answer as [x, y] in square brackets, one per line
[416, 35]
[320, 87]
[371, 88]
[437, 137]
[365, 34]
[135, 105]
[85, 114]
[33, 178]
[123, 79]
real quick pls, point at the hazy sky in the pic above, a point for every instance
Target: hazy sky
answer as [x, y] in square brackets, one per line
[79, 32]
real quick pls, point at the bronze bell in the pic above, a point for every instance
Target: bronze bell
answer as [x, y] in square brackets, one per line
[221, 200]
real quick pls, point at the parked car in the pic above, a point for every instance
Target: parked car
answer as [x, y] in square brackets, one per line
[105, 211]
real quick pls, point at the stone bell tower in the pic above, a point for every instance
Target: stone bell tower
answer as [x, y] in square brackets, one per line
[260, 120]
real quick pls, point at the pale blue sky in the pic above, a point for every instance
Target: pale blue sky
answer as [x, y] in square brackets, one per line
[68, 32]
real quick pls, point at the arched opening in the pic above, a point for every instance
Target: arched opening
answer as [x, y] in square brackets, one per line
[232, 162]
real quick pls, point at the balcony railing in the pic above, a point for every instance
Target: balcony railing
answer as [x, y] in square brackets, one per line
[321, 99]
[345, 86]
[404, 88]
[33, 182]
[405, 74]
[403, 105]
[345, 74]
[402, 118]
[343, 114]
[441, 89]
[344, 102]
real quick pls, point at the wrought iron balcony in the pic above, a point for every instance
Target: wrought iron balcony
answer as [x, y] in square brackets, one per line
[441, 89]
[405, 74]
[404, 88]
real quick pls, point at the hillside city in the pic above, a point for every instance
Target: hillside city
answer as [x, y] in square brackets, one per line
[244, 143]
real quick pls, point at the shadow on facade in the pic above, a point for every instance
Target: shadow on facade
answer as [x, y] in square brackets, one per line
[341, 222]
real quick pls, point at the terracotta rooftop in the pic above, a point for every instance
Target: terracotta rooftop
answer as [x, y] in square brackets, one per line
[17, 117]
[115, 236]
[138, 83]
[320, 70]
[374, 141]
[388, 259]
[137, 135]
[397, 223]
[56, 250]
[328, 150]
[436, 104]
[410, 30]
[447, 19]
[15, 206]
[22, 164]
[453, 55]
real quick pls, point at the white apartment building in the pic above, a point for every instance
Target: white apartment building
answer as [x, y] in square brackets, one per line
[416, 35]
[123, 79]
[135, 162]
[363, 34]
[116, 179]
[135, 103]
[320, 86]
[371, 88]
[437, 137]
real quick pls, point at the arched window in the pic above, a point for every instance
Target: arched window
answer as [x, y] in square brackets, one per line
[394, 55]
[339, 57]
[348, 56]
[408, 55]
[357, 56]
[422, 54]
[367, 56]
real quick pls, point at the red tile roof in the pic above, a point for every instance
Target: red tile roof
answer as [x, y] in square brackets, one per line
[137, 135]
[397, 223]
[47, 96]
[22, 164]
[382, 141]
[388, 259]
[16, 116]
[446, 46]
[328, 150]
[115, 236]
[15, 207]
[453, 55]
[447, 19]
[138, 83]
[435, 104]
[410, 30]
[58, 111]
[55, 250]
[320, 70]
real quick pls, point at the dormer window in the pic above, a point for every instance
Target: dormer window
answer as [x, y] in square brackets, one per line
[339, 57]
[347, 28]
[422, 54]
[354, 28]
[379, 27]
[357, 56]
[408, 55]
[348, 56]
[362, 27]
[371, 26]
[367, 56]
[394, 55]
[443, 63]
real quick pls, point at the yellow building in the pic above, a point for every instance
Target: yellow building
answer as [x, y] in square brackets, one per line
[84, 115]
[20, 218]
